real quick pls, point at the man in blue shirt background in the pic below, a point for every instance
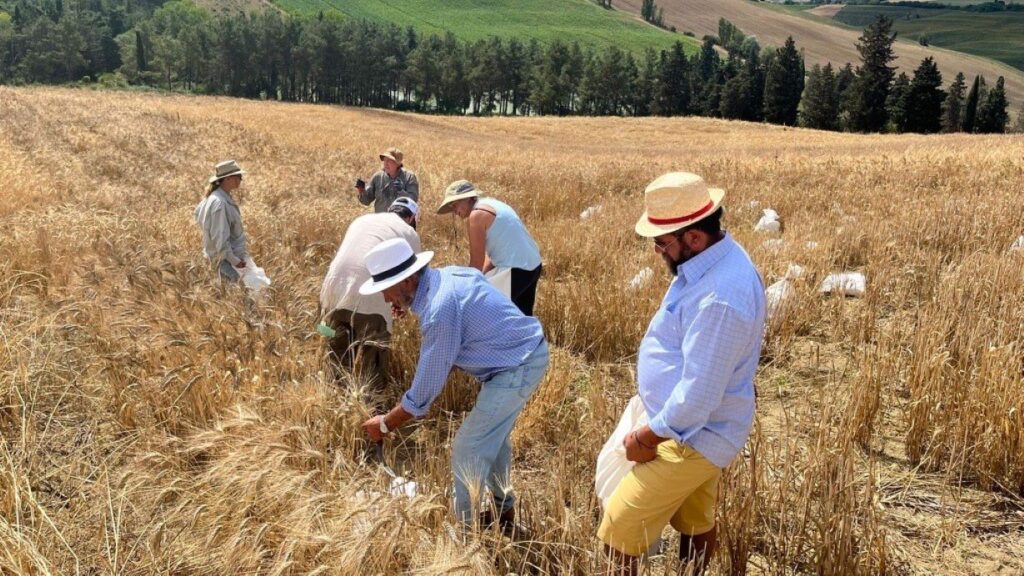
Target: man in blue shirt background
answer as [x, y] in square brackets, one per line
[466, 323]
[695, 374]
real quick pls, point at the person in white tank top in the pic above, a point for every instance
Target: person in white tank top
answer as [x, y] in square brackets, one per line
[500, 246]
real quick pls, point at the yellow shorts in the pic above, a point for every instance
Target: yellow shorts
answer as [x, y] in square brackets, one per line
[679, 486]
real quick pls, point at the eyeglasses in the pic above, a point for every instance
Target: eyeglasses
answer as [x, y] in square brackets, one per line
[663, 246]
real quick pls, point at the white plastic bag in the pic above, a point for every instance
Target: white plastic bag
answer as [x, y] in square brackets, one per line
[769, 222]
[642, 277]
[612, 465]
[253, 277]
[590, 212]
[845, 283]
[1018, 245]
[501, 278]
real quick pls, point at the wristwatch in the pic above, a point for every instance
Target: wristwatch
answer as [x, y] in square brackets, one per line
[384, 425]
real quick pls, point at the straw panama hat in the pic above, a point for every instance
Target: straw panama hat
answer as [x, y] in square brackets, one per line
[676, 200]
[393, 154]
[225, 169]
[389, 263]
[457, 191]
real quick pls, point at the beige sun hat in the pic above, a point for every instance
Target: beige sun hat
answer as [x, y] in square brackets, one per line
[393, 154]
[676, 200]
[225, 169]
[457, 191]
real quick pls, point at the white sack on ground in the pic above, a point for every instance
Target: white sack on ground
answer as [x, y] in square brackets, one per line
[769, 222]
[845, 283]
[612, 465]
[795, 272]
[778, 297]
[1018, 245]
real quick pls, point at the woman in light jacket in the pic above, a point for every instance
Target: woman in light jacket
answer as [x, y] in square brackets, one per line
[497, 239]
[220, 220]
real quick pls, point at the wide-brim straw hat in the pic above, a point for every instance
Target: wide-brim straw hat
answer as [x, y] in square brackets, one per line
[389, 263]
[392, 153]
[677, 200]
[456, 191]
[225, 169]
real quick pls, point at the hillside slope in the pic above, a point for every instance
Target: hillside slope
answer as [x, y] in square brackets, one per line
[544, 20]
[821, 42]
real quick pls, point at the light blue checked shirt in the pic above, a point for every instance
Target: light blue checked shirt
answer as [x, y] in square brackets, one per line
[696, 364]
[467, 323]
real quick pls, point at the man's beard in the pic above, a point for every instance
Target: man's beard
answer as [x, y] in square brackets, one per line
[673, 265]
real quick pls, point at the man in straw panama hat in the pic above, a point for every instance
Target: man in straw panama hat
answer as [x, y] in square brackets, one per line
[220, 220]
[695, 374]
[465, 323]
[361, 325]
[392, 181]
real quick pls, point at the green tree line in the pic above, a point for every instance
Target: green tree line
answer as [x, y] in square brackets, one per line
[178, 46]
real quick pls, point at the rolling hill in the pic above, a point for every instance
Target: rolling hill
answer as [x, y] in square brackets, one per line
[821, 42]
[544, 20]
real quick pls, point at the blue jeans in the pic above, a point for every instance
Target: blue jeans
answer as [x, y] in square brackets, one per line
[228, 271]
[482, 450]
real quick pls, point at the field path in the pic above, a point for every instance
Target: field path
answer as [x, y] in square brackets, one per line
[821, 42]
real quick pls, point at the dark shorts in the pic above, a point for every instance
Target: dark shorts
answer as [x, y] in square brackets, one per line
[524, 288]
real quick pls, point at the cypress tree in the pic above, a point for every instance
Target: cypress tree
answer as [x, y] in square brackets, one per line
[924, 107]
[140, 52]
[784, 84]
[992, 115]
[953, 107]
[820, 104]
[971, 109]
[874, 77]
[897, 104]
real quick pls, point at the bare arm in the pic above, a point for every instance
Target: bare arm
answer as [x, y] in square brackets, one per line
[480, 220]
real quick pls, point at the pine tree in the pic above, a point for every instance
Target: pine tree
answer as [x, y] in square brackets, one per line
[874, 77]
[897, 104]
[992, 115]
[674, 95]
[953, 107]
[924, 106]
[784, 84]
[971, 108]
[820, 104]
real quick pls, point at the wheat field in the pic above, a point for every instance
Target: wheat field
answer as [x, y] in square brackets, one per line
[154, 422]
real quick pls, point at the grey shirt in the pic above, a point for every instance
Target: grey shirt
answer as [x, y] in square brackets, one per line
[220, 220]
[382, 190]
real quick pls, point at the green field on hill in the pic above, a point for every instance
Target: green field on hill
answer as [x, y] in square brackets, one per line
[545, 20]
[995, 35]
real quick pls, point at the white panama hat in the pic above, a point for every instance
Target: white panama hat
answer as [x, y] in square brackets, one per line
[389, 263]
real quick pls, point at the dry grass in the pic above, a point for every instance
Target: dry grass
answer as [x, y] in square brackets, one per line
[152, 423]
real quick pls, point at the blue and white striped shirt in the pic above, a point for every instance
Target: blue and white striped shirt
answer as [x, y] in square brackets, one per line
[697, 361]
[467, 323]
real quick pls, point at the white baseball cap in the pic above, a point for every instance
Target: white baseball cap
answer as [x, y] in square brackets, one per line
[407, 203]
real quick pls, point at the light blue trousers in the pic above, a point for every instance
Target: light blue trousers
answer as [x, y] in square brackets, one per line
[482, 450]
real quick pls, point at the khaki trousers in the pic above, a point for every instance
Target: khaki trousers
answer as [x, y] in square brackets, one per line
[360, 346]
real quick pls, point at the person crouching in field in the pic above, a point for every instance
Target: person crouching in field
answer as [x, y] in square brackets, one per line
[220, 220]
[466, 323]
[362, 324]
[695, 374]
[498, 242]
[389, 183]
